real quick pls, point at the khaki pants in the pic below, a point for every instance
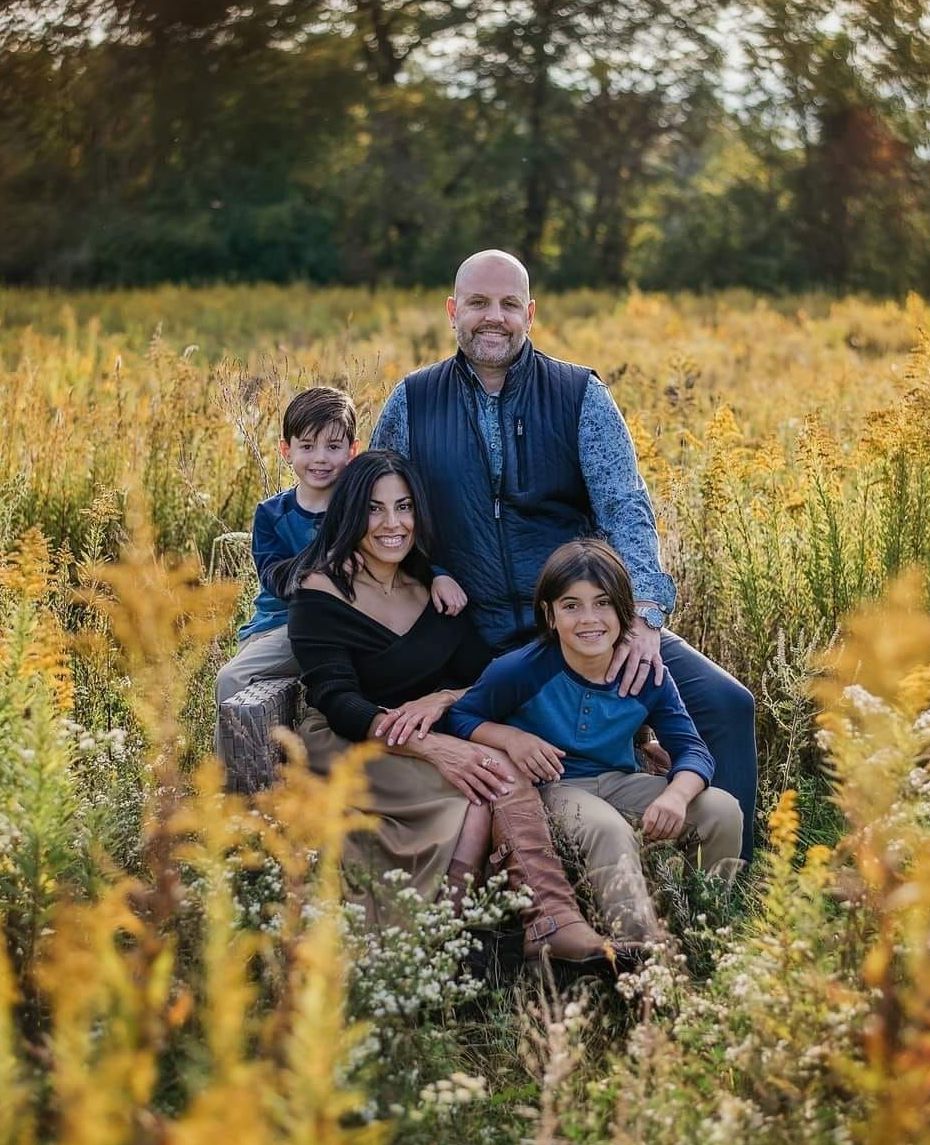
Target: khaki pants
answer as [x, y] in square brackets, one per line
[265, 656]
[596, 813]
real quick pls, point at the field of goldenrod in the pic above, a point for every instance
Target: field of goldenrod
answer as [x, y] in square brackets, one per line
[176, 966]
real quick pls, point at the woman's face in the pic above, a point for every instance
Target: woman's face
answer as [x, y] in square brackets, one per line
[584, 620]
[391, 523]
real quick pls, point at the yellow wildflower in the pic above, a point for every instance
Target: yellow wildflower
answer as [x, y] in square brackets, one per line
[28, 569]
[784, 823]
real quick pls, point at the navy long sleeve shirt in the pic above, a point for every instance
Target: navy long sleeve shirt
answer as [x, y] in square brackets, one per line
[281, 529]
[533, 689]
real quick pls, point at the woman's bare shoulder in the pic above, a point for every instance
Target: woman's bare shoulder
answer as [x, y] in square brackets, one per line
[322, 583]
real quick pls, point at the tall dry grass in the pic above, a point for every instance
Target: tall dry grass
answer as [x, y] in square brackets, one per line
[175, 964]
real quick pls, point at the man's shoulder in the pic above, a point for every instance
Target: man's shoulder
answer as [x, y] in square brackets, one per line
[583, 373]
[427, 372]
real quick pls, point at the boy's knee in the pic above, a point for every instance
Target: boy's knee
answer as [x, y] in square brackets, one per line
[227, 681]
[720, 807]
[719, 823]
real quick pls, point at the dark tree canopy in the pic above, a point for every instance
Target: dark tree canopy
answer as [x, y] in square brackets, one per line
[381, 140]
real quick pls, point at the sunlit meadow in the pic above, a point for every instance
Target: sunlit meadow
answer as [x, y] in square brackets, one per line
[177, 966]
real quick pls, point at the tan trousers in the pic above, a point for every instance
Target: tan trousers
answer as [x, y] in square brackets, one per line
[265, 656]
[597, 816]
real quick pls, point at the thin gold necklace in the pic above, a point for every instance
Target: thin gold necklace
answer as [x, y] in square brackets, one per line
[374, 579]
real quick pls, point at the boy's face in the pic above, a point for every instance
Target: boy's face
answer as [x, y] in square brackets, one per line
[318, 459]
[585, 621]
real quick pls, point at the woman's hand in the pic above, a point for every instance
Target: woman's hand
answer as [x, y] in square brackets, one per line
[538, 759]
[482, 774]
[415, 716]
[637, 654]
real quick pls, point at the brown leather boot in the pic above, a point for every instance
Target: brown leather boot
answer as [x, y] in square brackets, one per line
[524, 848]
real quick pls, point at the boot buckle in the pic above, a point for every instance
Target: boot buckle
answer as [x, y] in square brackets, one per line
[541, 928]
[498, 856]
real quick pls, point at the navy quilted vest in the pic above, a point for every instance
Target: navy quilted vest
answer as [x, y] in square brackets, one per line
[495, 543]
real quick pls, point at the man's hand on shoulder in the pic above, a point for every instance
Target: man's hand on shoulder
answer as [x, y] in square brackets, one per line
[636, 655]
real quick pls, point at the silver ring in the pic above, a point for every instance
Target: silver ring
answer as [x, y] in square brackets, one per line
[487, 761]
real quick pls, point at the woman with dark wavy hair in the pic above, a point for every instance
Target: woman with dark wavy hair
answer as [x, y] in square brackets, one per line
[379, 662]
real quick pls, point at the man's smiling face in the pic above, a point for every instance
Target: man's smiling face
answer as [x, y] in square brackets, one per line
[491, 311]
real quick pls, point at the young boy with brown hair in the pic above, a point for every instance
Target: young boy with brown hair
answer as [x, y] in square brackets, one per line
[319, 437]
[318, 440]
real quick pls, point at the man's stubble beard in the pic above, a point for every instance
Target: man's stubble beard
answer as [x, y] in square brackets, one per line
[502, 355]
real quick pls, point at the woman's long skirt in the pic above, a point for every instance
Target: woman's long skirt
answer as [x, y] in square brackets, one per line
[420, 819]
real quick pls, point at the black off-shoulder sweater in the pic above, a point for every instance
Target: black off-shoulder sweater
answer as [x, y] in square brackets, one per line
[353, 666]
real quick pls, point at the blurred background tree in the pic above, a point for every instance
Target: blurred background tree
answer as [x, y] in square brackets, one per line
[779, 145]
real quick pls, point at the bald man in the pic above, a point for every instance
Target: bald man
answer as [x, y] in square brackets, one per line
[521, 452]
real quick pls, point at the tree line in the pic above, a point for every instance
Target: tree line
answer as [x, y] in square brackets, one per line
[778, 145]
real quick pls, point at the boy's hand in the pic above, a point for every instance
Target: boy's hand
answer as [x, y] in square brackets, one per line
[535, 757]
[664, 818]
[448, 596]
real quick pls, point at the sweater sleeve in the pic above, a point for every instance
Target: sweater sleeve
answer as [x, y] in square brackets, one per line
[618, 494]
[267, 546]
[331, 681]
[670, 720]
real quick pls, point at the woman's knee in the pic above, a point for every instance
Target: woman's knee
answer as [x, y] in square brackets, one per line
[521, 782]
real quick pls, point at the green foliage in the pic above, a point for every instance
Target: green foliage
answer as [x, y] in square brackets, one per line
[378, 142]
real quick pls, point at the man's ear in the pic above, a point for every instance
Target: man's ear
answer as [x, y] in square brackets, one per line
[450, 308]
[284, 448]
[530, 313]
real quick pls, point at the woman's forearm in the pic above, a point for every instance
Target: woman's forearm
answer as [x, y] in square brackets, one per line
[426, 748]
